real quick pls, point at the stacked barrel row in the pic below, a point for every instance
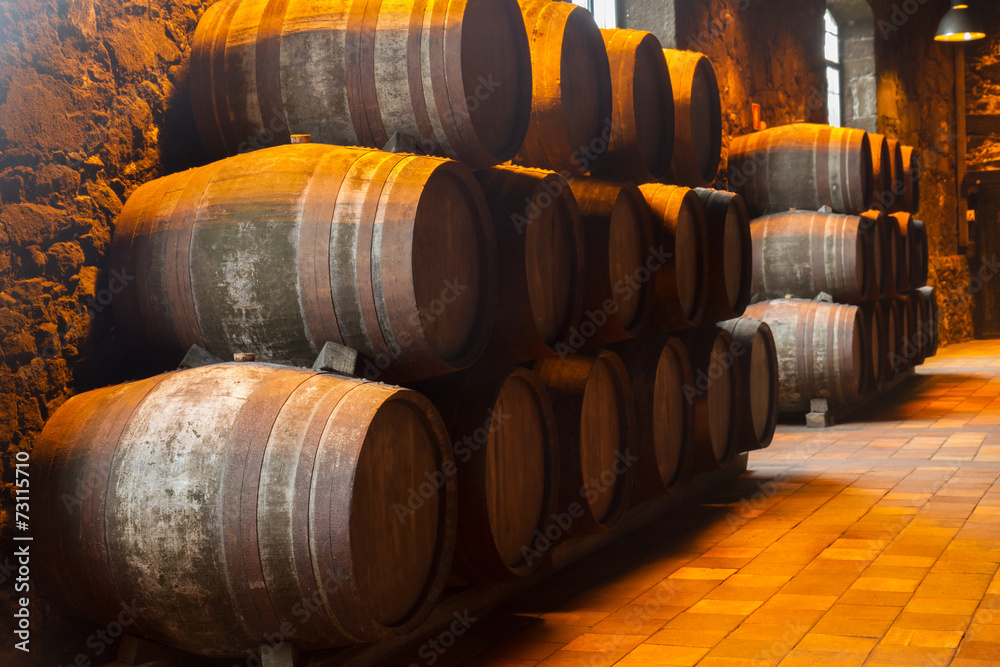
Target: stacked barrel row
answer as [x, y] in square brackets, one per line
[840, 263]
[533, 256]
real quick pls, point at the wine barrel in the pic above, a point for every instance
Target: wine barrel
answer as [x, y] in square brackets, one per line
[507, 453]
[454, 76]
[911, 178]
[659, 369]
[571, 104]
[874, 226]
[802, 166]
[919, 260]
[893, 250]
[642, 136]
[907, 261]
[879, 336]
[895, 203]
[730, 254]
[697, 118]
[279, 251]
[715, 397]
[802, 253]
[929, 296]
[757, 395]
[541, 244]
[912, 348]
[925, 334]
[680, 259]
[888, 342]
[595, 420]
[881, 171]
[823, 350]
[619, 233]
[218, 498]
[904, 333]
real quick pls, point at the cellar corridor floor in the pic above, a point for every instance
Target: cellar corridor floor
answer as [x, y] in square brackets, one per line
[875, 542]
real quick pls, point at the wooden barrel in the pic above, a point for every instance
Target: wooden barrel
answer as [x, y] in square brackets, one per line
[620, 236]
[823, 350]
[714, 394]
[453, 76]
[642, 136]
[571, 107]
[730, 254]
[659, 369]
[907, 259]
[802, 253]
[911, 178]
[924, 336]
[895, 203]
[541, 244]
[697, 118]
[757, 397]
[900, 362]
[507, 452]
[217, 499]
[919, 260]
[279, 251]
[912, 347]
[893, 251]
[889, 342]
[874, 225]
[879, 336]
[595, 419]
[881, 171]
[680, 259]
[802, 166]
[929, 296]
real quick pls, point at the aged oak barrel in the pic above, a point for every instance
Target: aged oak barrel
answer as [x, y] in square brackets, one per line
[757, 397]
[506, 448]
[279, 251]
[823, 350]
[929, 296]
[923, 337]
[595, 419]
[802, 253]
[697, 118]
[895, 203]
[907, 252]
[571, 105]
[659, 369]
[891, 329]
[910, 307]
[642, 136]
[730, 254]
[911, 178]
[874, 225]
[880, 337]
[542, 250]
[881, 171]
[619, 233]
[453, 75]
[904, 334]
[893, 252]
[802, 166]
[714, 395]
[680, 258]
[919, 260]
[221, 499]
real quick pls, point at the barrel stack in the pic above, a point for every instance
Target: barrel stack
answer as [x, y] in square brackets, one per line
[840, 265]
[497, 208]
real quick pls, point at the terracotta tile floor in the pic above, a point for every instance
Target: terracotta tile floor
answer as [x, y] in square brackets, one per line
[871, 543]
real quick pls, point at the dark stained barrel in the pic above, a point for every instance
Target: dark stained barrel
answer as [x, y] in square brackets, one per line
[730, 254]
[697, 118]
[802, 166]
[880, 337]
[757, 397]
[895, 204]
[507, 452]
[911, 179]
[642, 137]
[893, 251]
[823, 350]
[889, 342]
[571, 103]
[217, 499]
[908, 255]
[904, 334]
[279, 251]
[714, 394]
[680, 257]
[929, 296]
[542, 247]
[454, 76]
[878, 273]
[910, 307]
[919, 260]
[881, 171]
[620, 236]
[802, 253]
[659, 369]
[595, 420]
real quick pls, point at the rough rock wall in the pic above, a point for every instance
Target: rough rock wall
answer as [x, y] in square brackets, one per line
[982, 89]
[93, 103]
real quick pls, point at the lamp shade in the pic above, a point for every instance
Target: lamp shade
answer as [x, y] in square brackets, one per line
[959, 25]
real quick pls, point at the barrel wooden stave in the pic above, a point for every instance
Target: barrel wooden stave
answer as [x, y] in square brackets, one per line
[697, 118]
[929, 296]
[911, 178]
[879, 347]
[907, 252]
[730, 248]
[757, 398]
[882, 167]
[919, 259]
[895, 203]
[802, 166]
[237, 512]
[803, 253]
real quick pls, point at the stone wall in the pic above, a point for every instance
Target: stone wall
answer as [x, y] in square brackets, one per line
[982, 89]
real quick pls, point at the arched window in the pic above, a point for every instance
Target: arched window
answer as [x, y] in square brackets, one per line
[831, 51]
[605, 11]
